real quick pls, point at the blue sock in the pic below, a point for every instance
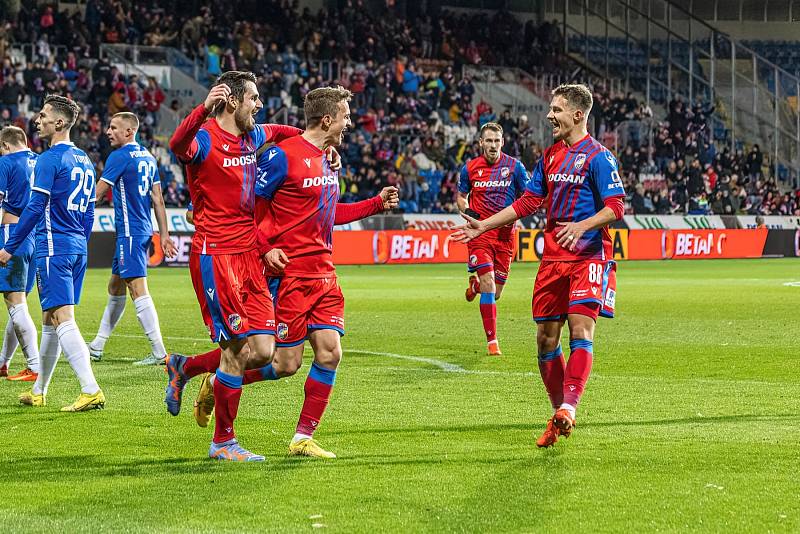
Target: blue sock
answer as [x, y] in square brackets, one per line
[268, 372]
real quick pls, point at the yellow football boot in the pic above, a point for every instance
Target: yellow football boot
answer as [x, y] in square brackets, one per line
[86, 402]
[308, 447]
[204, 403]
[29, 398]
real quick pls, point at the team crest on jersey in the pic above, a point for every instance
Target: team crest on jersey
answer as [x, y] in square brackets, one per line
[282, 330]
[504, 172]
[579, 161]
[473, 259]
[235, 322]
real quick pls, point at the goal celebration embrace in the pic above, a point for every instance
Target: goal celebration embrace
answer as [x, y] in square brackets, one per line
[366, 266]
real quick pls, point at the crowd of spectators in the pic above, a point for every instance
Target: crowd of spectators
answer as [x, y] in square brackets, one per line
[415, 116]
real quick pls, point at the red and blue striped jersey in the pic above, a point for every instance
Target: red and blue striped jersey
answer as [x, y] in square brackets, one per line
[575, 181]
[296, 207]
[492, 187]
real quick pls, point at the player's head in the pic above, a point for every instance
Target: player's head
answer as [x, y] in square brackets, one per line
[122, 128]
[491, 141]
[569, 109]
[328, 109]
[12, 139]
[243, 102]
[58, 115]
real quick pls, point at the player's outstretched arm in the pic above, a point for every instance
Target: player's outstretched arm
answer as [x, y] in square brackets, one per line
[275, 133]
[526, 205]
[183, 143]
[167, 244]
[347, 212]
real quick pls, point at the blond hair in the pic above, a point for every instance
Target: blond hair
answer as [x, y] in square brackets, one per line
[324, 101]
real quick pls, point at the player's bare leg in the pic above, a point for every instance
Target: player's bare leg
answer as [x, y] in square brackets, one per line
[25, 333]
[228, 392]
[488, 308]
[579, 365]
[551, 368]
[112, 314]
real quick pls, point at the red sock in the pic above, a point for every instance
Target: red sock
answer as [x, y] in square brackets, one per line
[551, 367]
[257, 375]
[489, 315]
[227, 392]
[202, 363]
[578, 368]
[318, 387]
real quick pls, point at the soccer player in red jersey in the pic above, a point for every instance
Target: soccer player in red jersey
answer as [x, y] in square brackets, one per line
[578, 180]
[226, 270]
[296, 211]
[489, 183]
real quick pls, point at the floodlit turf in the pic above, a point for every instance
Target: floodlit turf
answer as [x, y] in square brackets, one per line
[691, 419]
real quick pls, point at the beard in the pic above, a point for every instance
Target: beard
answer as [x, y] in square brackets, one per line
[244, 121]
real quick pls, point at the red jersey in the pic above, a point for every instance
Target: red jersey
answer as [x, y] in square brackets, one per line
[492, 187]
[221, 174]
[296, 209]
[575, 181]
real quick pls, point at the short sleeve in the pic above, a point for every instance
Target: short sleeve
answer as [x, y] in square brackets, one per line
[537, 184]
[43, 175]
[114, 169]
[273, 167]
[605, 174]
[463, 180]
[520, 178]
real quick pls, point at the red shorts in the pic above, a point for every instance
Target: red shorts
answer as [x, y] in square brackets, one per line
[305, 304]
[584, 287]
[487, 256]
[233, 295]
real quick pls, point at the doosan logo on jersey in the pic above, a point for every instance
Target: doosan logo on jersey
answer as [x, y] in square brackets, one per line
[571, 178]
[238, 162]
[321, 180]
[493, 183]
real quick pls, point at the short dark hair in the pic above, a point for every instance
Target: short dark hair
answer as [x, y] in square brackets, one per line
[577, 95]
[493, 126]
[67, 108]
[13, 136]
[236, 81]
[324, 101]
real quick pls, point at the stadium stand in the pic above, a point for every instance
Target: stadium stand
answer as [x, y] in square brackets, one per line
[415, 111]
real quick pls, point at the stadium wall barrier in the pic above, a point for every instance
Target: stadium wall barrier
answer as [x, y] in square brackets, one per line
[696, 244]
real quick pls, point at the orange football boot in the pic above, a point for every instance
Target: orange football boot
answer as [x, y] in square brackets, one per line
[26, 375]
[494, 348]
[473, 289]
[564, 421]
[550, 435]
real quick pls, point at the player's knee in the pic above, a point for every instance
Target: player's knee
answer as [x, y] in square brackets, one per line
[329, 357]
[487, 283]
[546, 341]
[287, 368]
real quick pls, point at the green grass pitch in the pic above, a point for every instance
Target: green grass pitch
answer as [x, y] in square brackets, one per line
[690, 422]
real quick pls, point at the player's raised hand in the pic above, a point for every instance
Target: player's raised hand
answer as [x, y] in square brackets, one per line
[469, 231]
[334, 158]
[390, 197]
[569, 234]
[217, 94]
[168, 247]
[5, 257]
[276, 260]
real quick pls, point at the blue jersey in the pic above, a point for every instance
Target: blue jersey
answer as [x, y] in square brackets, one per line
[66, 175]
[131, 170]
[16, 176]
[575, 181]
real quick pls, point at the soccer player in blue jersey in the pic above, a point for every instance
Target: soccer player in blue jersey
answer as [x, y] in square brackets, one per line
[132, 172]
[16, 280]
[62, 210]
[578, 180]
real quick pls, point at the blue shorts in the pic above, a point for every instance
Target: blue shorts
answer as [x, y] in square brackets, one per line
[60, 279]
[18, 275]
[131, 256]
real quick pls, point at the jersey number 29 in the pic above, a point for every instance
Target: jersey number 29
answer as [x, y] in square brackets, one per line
[85, 178]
